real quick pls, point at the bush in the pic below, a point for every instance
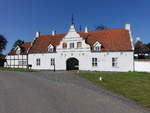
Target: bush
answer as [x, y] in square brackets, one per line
[2, 60]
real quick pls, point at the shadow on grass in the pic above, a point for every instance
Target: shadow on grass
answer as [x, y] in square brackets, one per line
[16, 69]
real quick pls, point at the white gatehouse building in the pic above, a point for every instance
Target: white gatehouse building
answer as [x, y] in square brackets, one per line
[99, 50]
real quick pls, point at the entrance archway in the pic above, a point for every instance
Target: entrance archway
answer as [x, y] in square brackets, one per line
[72, 64]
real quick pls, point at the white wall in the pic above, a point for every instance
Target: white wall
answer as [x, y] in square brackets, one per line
[125, 60]
[13, 61]
[143, 66]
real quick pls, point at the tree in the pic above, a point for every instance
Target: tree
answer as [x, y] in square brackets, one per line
[3, 43]
[2, 60]
[17, 43]
[140, 49]
[100, 27]
[148, 45]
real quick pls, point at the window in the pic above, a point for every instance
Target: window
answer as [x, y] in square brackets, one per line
[38, 62]
[71, 45]
[64, 45]
[97, 48]
[114, 62]
[50, 48]
[22, 63]
[52, 61]
[79, 44]
[94, 62]
[18, 52]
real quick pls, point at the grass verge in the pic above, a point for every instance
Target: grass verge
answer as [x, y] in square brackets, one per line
[16, 69]
[134, 85]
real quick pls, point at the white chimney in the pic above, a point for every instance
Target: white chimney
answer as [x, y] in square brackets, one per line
[138, 38]
[53, 33]
[86, 29]
[37, 34]
[128, 27]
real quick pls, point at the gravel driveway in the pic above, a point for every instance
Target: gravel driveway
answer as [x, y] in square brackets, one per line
[58, 92]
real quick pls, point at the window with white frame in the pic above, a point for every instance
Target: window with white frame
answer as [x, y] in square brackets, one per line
[50, 48]
[52, 61]
[38, 61]
[71, 45]
[94, 62]
[79, 44]
[97, 46]
[114, 62]
[18, 50]
[64, 45]
[22, 63]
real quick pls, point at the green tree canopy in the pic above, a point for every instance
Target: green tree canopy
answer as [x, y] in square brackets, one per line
[17, 43]
[2, 60]
[100, 27]
[140, 48]
[3, 43]
[148, 45]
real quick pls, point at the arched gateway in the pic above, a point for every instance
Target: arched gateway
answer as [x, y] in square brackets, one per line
[72, 64]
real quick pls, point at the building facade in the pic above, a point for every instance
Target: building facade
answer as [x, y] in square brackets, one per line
[18, 58]
[99, 50]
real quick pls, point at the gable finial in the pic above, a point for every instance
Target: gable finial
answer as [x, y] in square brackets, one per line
[80, 28]
[72, 19]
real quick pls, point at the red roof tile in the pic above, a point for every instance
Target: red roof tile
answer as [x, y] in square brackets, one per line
[24, 49]
[41, 43]
[111, 40]
[12, 52]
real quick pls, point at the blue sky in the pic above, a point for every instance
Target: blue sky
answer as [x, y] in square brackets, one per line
[20, 19]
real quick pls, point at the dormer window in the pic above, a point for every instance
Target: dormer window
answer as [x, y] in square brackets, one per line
[18, 50]
[50, 48]
[97, 46]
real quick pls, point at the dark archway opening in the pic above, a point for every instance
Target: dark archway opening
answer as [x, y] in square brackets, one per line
[72, 64]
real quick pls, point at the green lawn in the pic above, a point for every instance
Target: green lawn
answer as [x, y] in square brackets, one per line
[134, 85]
[17, 69]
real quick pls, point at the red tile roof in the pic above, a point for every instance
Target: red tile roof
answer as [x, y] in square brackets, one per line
[41, 43]
[111, 40]
[24, 49]
[12, 52]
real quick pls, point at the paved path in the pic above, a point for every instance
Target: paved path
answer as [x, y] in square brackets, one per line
[60, 92]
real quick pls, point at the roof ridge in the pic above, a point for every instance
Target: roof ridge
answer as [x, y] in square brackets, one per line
[63, 33]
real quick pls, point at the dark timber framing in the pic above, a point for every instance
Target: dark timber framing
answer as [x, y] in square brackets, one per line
[15, 62]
